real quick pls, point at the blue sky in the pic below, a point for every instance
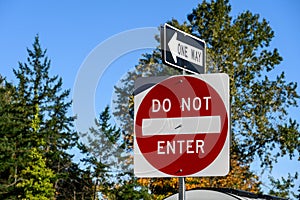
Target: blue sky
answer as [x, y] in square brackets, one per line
[70, 30]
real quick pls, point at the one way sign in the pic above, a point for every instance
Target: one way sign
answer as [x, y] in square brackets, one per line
[182, 50]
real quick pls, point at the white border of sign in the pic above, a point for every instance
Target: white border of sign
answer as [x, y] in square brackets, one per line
[220, 166]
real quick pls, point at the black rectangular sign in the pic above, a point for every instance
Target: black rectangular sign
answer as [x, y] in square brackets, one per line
[182, 50]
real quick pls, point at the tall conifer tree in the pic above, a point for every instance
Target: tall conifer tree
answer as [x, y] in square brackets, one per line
[38, 129]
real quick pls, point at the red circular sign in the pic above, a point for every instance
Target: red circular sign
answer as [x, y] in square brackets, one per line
[181, 98]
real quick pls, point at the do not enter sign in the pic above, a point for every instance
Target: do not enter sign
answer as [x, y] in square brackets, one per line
[182, 127]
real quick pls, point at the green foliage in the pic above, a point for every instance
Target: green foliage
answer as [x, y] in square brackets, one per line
[109, 163]
[75, 183]
[36, 133]
[281, 188]
[36, 176]
[103, 152]
[130, 190]
[15, 141]
[37, 181]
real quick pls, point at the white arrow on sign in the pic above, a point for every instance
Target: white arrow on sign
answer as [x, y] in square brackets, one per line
[185, 51]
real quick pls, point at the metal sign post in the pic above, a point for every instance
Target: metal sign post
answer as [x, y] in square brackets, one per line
[181, 180]
[181, 192]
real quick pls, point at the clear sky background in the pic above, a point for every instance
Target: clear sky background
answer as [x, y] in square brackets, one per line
[70, 30]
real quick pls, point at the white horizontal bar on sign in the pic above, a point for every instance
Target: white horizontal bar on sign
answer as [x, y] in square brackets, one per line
[181, 125]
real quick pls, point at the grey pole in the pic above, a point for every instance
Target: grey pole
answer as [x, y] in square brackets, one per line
[181, 193]
[181, 180]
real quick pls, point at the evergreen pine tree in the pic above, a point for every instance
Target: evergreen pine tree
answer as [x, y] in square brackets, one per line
[108, 161]
[39, 133]
[15, 142]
